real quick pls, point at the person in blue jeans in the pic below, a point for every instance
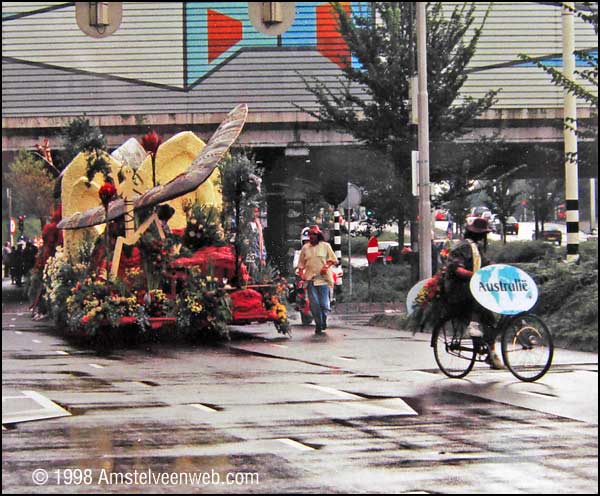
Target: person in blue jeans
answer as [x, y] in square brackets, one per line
[314, 263]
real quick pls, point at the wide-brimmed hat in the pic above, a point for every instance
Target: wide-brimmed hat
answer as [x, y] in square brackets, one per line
[314, 230]
[478, 225]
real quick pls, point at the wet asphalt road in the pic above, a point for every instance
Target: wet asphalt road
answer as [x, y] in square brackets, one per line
[362, 409]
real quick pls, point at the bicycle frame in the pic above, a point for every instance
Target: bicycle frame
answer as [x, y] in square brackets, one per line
[480, 347]
[522, 337]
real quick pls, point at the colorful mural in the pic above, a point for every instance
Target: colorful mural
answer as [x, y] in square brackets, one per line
[216, 33]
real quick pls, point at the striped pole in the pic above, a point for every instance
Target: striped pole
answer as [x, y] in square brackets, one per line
[337, 241]
[569, 133]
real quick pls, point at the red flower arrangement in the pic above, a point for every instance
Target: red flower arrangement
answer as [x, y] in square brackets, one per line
[429, 306]
[106, 193]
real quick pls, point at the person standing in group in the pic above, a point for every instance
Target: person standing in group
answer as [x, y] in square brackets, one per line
[258, 240]
[316, 258]
[17, 264]
[450, 228]
[29, 255]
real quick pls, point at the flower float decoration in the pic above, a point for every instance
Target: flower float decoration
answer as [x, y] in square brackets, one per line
[150, 142]
[429, 308]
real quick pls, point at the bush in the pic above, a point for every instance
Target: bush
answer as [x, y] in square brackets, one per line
[568, 299]
[388, 283]
[521, 252]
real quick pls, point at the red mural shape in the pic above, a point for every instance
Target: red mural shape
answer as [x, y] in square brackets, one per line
[329, 41]
[223, 33]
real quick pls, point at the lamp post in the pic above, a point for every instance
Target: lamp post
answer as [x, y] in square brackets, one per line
[425, 268]
[569, 134]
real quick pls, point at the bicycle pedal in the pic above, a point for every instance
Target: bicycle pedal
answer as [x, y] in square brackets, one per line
[474, 331]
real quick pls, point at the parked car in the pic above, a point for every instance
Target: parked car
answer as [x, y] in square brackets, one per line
[511, 226]
[385, 248]
[551, 233]
[441, 215]
[476, 212]
[496, 225]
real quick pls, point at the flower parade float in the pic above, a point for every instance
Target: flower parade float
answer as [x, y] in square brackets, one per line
[144, 248]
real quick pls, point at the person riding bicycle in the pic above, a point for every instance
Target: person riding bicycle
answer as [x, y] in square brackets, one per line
[463, 261]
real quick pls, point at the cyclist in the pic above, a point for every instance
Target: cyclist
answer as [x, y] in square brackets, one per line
[464, 259]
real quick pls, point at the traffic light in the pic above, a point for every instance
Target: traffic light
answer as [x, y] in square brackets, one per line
[21, 223]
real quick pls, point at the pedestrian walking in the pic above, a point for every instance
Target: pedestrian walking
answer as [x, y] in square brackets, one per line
[314, 266]
[6, 255]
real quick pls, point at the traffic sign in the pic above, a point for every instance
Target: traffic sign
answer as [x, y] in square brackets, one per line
[372, 249]
[13, 225]
[353, 197]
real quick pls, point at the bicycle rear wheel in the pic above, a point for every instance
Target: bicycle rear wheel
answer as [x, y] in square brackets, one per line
[527, 347]
[454, 354]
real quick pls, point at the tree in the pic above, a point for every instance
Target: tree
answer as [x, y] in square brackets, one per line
[373, 103]
[544, 195]
[32, 185]
[240, 182]
[502, 200]
[80, 135]
[464, 171]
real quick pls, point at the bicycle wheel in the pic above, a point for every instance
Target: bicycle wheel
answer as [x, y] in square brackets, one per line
[527, 347]
[454, 354]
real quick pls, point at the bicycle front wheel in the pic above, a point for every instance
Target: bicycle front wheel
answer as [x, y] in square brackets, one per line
[527, 347]
[454, 354]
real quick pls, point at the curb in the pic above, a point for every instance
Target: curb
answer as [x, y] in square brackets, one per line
[14, 294]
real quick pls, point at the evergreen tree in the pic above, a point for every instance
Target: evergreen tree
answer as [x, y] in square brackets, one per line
[373, 103]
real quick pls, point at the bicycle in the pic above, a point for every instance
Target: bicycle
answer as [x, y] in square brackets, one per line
[526, 343]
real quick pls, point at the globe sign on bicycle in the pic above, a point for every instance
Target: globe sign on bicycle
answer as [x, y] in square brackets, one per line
[526, 343]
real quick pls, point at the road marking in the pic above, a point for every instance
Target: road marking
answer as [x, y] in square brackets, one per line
[204, 408]
[36, 341]
[61, 352]
[279, 345]
[540, 395]
[13, 319]
[40, 408]
[344, 358]
[96, 366]
[334, 392]
[388, 406]
[17, 332]
[429, 374]
[294, 444]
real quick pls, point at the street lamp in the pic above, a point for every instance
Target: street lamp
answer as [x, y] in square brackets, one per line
[425, 268]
